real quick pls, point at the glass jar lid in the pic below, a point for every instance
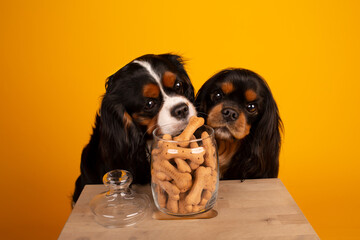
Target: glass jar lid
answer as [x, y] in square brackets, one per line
[120, 206]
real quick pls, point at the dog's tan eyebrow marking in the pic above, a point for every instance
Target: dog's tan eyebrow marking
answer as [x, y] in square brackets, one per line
[250, 95]
[227, 87]
[168, 79]
[152, 73]
[151, 90]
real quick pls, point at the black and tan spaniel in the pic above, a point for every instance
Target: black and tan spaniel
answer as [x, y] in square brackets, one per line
[239, 105]
[150, 91]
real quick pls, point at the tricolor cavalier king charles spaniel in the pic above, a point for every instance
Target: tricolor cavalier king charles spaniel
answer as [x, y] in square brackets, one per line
[150, 91]
[239, 105]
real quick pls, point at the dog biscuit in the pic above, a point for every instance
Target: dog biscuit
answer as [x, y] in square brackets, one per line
[194, 123]
[195, 155]
[210, 160]
[160, 175]
[161, 196]
[182, 180]
[182, 205]
[168, 143]
[193, 165]
[205, 197]
[171, 190]
[182, 165]
[201, 177]
[172, 205]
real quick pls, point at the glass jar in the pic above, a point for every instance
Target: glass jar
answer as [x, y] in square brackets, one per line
[184, 173]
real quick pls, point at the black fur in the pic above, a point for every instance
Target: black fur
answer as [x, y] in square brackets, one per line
[119, 141]
[258, 153]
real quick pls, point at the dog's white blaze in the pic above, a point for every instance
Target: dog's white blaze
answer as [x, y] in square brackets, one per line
[168, 123]
[148, 67]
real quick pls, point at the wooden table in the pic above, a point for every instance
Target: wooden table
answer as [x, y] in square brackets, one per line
[253, 209]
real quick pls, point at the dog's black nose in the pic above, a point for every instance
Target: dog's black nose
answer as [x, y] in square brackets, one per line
[180, 111]
[230, 114]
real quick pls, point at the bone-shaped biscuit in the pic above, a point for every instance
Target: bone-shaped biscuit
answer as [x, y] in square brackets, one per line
[182, 165]
[182, 204]
[161, 196]
[182, 180]
[194, 123]
[172, 190]
[210, 160]
[202, 175]
[168, 143]
[192, 164]
[211, 181]
[205, 197]
[162, 144]
[172, 205]
[168, 150]
[160, 175]
[195, 155]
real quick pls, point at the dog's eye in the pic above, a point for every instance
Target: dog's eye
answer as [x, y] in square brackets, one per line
[217, 96]
[150, 104]
[251, 107]
[178, 87]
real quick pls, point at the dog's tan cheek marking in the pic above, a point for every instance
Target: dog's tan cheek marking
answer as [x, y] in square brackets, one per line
[227, 87]
[246, 126]
[250, 95]
[168, 79]
[151, 90]
[140, 120]
[215, 116]
[127, 120]
[242, 127]
[150, 123]
[247, 129]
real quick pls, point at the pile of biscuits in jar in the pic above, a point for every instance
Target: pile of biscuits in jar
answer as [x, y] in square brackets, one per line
[185, 173]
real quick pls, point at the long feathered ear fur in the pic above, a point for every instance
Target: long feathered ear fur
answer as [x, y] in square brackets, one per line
[266, 141]
[200, 100]
[122, 144]
[116, 143]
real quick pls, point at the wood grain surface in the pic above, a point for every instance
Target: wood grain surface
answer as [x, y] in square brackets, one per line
[253, 209]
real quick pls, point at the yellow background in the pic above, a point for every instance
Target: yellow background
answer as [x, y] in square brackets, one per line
[55, 56]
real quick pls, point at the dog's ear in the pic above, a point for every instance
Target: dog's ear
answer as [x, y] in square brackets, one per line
[122, 144]
[109, 83]
[266, 139]
[116, 77]
[202, 101]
